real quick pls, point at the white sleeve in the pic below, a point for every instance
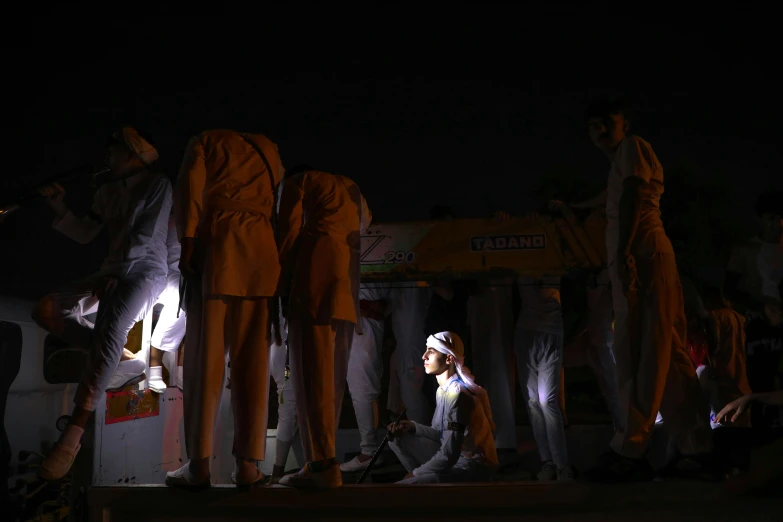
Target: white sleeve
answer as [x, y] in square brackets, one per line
[633, 159]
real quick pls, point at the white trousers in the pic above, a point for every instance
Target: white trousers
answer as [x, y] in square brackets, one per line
[540, 359]
[239, 327]
[654, 371]
[491, 323]
[286, 394]
[170, 329]
[365, 369]
[319, 364]
[394, 398]
[600, 339]
[409, 312]
[62, 313]
[413, 451]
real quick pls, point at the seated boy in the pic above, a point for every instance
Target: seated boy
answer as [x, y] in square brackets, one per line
[459, 446]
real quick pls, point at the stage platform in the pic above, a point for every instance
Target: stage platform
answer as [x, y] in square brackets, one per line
[529, 501]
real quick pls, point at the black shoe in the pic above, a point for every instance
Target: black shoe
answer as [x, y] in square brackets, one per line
[701, 467]
[615, 468]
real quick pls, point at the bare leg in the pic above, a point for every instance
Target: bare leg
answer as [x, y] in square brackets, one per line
[156, 357]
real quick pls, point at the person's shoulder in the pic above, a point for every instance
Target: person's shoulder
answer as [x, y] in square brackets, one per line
[156, 181]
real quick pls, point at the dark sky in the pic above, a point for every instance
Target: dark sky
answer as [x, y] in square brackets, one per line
[464, 106]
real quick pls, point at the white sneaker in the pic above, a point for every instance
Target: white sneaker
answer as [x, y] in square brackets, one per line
[565, 474]
[306, 478]
[181, 478]
[156, 382]
[354, 465]
[127, 373]
[548, 472]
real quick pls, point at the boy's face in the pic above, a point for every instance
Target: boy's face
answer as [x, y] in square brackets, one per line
[607, 132]
[435, 362]
[119, 159]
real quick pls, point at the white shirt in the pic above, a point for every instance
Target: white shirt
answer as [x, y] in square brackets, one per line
[635, 157]
[462, 428]
[761, 266]
[541, 310]
[135, 212]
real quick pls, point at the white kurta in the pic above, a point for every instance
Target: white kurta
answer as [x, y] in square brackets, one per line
[654, 371]
[457, 446]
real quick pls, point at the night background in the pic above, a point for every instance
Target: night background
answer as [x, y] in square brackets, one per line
[478, 107]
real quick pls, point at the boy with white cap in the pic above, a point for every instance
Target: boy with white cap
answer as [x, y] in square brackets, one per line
[459, 446]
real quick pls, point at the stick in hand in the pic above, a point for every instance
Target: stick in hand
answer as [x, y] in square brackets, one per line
[378, 452]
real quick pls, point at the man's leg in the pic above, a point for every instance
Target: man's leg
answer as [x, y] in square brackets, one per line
[365, 369]
[63, 312]
[599, 350]
[413, 451]
[203, 372]
[527, 347]
[408, 317]
[664, 378]
[286, 409]
[249, 330]
[394, 400]
[168, 334]
[312, 354]
[118, 312]
[492, 334]
[343, 340]
[550, 364]
[682, 403]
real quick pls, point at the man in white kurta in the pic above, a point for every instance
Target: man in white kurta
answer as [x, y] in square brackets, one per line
[223, 209]
[319, 245]
[133, 204]
[654, 370]
[458, 445]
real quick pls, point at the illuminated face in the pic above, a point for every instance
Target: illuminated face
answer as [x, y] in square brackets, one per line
[435, 362]
[606, 133]
[771, 227]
